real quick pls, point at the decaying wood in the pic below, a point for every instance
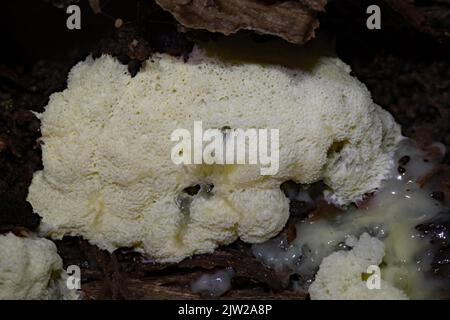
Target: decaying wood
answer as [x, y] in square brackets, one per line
[294, 21]
[128, 275]
[159, 289]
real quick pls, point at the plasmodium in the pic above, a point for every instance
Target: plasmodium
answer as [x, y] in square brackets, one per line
[30, 268]
[108, 174]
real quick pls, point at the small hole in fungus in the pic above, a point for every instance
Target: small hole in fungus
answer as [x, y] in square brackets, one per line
[192, 190]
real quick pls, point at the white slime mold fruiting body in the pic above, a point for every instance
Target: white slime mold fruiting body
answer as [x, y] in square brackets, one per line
[30, 268]
[108, 174]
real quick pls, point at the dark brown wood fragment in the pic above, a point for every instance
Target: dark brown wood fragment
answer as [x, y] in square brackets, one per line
[294, 21]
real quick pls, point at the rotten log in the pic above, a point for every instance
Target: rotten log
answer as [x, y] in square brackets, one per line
[295, 21]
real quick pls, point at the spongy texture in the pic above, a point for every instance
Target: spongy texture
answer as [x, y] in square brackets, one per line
[30, 268]
[108, 174]
[340, 274]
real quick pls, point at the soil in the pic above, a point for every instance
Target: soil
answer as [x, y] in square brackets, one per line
[406, 70]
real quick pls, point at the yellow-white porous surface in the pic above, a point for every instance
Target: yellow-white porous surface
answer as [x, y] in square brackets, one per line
[30, 268]
[340, 274]
[108, 173]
